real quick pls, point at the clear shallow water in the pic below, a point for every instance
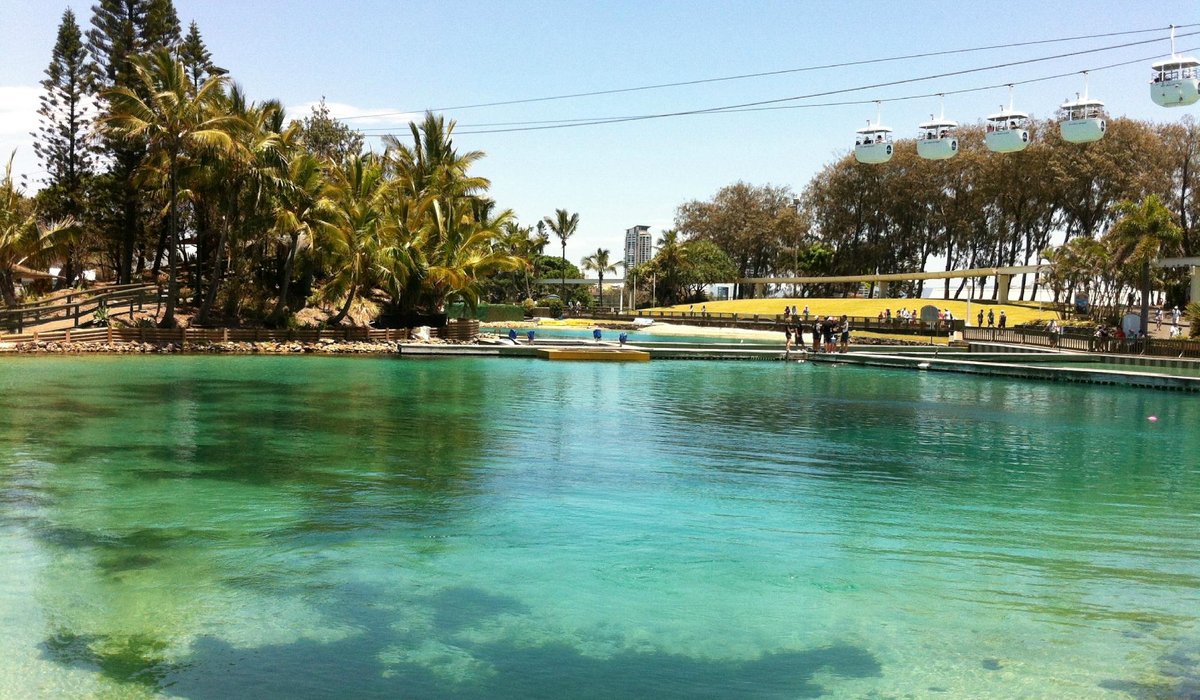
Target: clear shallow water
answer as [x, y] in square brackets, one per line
[206, 527]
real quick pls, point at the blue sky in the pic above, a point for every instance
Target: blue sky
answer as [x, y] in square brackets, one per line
[373, 56]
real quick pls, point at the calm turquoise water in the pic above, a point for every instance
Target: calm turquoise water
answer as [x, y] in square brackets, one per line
[265, 527]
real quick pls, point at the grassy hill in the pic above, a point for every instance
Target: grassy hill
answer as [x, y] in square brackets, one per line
[1017, 312]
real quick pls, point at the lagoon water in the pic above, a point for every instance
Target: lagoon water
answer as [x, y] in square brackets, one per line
[304, 527]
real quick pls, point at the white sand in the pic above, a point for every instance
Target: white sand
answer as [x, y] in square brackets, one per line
[672, 329]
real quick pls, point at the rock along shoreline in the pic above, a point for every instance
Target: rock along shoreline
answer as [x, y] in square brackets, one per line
[324, 346]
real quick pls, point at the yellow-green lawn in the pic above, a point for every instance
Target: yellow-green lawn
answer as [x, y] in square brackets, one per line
[1016, 313]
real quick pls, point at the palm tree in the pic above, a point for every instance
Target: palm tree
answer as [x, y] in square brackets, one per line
[668, 265]
[431, 166]
[243, 182]
[599, 262]
[1143, 232]
[299, 212]
[563, 225]
[22, 237]
[358, 231]
[459, 252]
[174, 120]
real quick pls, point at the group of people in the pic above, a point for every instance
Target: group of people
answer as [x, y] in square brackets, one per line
[790, 312]
[1176, 314]
[827, 333]
[991, 319]
[1114, 339]
[907, 316]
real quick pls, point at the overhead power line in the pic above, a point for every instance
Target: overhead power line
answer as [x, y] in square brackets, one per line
[775, 103]
[786, 71]
[586, 121]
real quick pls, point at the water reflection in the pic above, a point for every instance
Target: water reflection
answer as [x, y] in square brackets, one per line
[315, 526]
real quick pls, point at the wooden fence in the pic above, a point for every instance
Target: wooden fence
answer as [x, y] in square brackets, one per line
[76, 307]
[191, 336]
[182, 337]
[1086, 342]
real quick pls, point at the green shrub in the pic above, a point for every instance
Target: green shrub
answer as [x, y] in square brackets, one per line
[1193, 315]
[555, 306]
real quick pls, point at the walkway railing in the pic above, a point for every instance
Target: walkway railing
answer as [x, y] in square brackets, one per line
[1086, 342]
[77, 307]
[778, 322]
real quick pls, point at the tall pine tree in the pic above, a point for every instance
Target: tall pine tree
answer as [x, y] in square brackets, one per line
[122, 29]
[196, 58]
[162, 28]
[62, 141]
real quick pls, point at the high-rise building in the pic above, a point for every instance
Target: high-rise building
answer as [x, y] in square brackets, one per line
[639, 246]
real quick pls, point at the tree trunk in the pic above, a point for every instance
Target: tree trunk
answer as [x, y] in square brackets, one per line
[7, 288]
[214, 284]
[168, 320]
[341, 315]
[1145, 325]
[160, 247]
[128, 236]
[288, 262]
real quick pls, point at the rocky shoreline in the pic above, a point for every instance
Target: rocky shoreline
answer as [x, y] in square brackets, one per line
[325, 347]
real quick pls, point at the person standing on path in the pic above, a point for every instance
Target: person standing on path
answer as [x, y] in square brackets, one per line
[1158, 319]
[980, 324]
[991, 318]
[1003, 320]
[1175, 315]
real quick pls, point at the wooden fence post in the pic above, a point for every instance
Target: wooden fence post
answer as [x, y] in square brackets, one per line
[110, 335]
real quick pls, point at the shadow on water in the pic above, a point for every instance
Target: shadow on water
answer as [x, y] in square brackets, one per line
[462, 606]
[1177, 677]
[351, 668]
[384, 659]
[136, 659]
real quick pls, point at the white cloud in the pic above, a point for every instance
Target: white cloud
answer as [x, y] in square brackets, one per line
[18, 119]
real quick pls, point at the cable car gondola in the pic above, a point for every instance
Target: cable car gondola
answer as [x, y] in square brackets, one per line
[1007, 130]
[1082, 120]
[873, 144]
[1175, 82]
[938, 139]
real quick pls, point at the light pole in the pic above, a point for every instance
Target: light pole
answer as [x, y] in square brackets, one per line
[970, 293]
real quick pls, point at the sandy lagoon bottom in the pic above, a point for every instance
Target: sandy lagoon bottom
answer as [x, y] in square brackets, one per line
[202, 527]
